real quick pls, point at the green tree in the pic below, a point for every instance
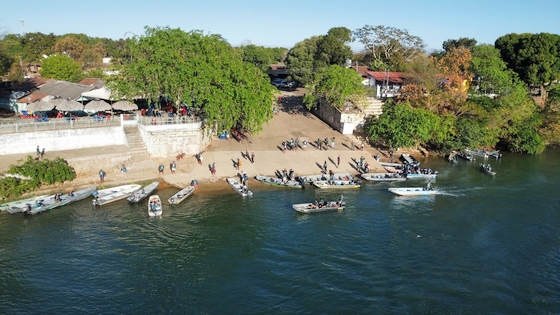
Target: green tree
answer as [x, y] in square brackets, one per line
[336, 85]
[332, 48]
[70, 46]
[36, 45]
[492, 74]
[401, 125]
[382, 42]
[463, 42]
[61, 67]
[535, 57]
[200, 70]
[300, 60]
[6, 60]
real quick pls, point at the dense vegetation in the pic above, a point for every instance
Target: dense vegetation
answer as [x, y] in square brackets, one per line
[466, 94]
[34, 174]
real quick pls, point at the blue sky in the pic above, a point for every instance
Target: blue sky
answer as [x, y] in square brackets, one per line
[284, 23]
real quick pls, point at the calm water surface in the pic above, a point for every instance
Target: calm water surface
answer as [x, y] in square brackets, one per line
[484, 245]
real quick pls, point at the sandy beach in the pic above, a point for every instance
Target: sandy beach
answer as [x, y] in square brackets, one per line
[292, 121]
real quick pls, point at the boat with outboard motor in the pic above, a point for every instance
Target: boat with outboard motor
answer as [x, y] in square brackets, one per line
[181, 195]
[383, 177]
[313, 207]
[155, 207]
[486, 168]
[141, 193]
[413, 191]
[59, 200]
[241, 189]
[274, 181]
[113, 194]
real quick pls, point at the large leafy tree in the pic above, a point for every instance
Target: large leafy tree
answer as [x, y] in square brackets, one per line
[401, 125]
[35, 45]
[385, 42]
[61, 67]
[332, 49]
[301, 58]
[70, 46]
[492, 74]
[336, 85]
[535, 57]
[200, 70]
[462, 42]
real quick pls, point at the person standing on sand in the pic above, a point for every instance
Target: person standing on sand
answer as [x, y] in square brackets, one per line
[173, 167]
[325, 166]
[160, 169]
[332, 143]
[238, 164]
[101, 176]
[38, 151]
[123, 170]
[338, 161]
[252, 157]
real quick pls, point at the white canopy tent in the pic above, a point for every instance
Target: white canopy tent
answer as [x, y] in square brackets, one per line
[102, 93]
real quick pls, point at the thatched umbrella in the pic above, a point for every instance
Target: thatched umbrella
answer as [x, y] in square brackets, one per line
[97, 105]
[40, 106]
[69, 105]
[125, 106]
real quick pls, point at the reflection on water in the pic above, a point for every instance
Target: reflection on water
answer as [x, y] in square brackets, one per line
[220, 253]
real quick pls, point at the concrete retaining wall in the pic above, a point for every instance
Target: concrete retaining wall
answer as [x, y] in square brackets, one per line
[171, 140]
[57, 140]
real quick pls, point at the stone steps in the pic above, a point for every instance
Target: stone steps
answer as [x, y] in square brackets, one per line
[134, 141]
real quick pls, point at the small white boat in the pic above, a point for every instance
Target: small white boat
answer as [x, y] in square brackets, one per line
[309, 179]
[336, 184]
[20, 205]
[240, 189]
[142, 193]
[63, 200]
[311, 208]
[181, 195]
[155, 207]
[383, 177]
[274, 181]
[105, 196]
[412, 191]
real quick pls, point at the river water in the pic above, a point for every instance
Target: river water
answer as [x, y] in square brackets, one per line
[484, 245]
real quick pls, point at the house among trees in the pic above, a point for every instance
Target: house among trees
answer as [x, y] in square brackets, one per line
[386, 84]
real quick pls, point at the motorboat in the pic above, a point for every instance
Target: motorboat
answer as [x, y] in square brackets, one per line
[105, 196]
[243, 190]
[413, 191]
[155, 207]
[141, 193]
[274, 181]
[181, 195]
[312, 208]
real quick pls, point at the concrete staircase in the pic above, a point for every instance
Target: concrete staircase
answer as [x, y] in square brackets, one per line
[374, 108]
[134, 141]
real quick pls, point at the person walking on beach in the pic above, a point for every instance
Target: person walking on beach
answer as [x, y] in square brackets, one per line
[332, 143]
[123, 170]
[160, 169]
[38, 151]
[252, 157]
[199, 158]
[246, 154]
[338, 161]
[213, 168]
[101, 176]
[173, 167]
[325, 166]
[363, 145]
[238, 164]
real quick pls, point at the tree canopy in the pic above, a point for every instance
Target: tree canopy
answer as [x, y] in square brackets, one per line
[61, 67]
[336, 85]
[198, 70]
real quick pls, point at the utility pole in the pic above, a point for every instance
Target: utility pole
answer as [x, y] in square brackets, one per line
[22, 27]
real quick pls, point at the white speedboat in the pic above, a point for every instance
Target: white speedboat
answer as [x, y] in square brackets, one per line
[105, 196]
[240, 189]
[412, 191]
[142, 193]
[181, 195]
[155, 207]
